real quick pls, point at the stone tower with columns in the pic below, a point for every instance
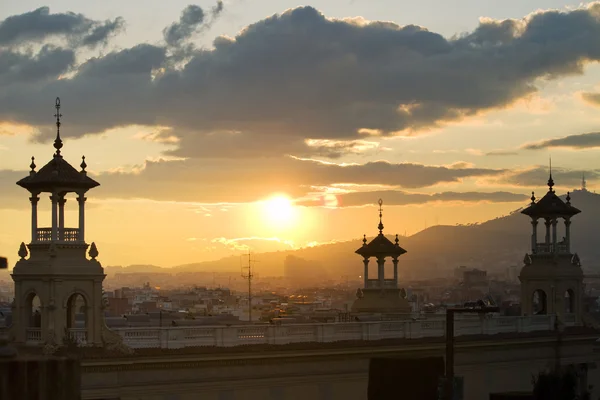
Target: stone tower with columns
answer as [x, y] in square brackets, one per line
[552, 278]
[58, 288]
[381, 295]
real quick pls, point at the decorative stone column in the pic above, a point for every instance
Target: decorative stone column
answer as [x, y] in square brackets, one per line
[366, 274]
[81, 200]
[54, 199]
[381, 271]
[61, 217]
[568, 234]
[34, 219]
[534, 224]
[395, 261]
[554, 223]
[547, 239]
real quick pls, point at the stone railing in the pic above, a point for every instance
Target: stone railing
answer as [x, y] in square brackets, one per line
[387, 283]
[34, 335]
[79, 335]
[178, 337]
[64, 234]
[543, 248]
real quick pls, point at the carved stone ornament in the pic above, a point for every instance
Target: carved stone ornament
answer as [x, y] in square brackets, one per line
[93, 251]
[23, 251]
[359, 293]
[527, 259]
[52, 250]
[113, 341]
[575, 260]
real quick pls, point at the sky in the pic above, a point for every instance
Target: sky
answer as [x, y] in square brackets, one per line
[216, 128]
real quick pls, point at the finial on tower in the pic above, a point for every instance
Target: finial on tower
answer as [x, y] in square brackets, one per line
[568, 198]
[32, 166]
[58, 144]
[83, 165]
[380, 202]
[397, 240]
[532, 197]
[550, 180]
[364, 240]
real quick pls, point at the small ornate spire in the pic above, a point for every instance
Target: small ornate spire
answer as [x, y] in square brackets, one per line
[532, 197]
[568, 198]
[83, 165]
[32, 166]
[58, 144]
[397, 240]
[550, 180]
[364, 240]
[93, 251]
[23, 251]
[380, 226]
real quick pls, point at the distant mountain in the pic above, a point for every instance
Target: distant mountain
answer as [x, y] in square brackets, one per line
[494, 244]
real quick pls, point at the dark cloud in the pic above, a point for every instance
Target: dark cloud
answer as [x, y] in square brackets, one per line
[300, 75]
[191, 18]
[47, 64]
[592, 98]
[401, 198]
[39, 25]
[538, 176]
[581, 141]
[224, 180]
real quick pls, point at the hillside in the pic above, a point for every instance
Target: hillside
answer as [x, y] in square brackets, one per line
[494, 244]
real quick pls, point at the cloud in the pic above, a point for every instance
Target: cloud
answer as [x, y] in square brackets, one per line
[192, 19]
[591, 98]
[39, 25]
[243, 180]
[538, 176]
[501, 153]
[254, 243]
[401, 198]
[300, 75]
[581, 141]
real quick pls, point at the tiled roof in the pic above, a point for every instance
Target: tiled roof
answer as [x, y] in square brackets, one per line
[550, 206]
[380, 246]
[58, 173]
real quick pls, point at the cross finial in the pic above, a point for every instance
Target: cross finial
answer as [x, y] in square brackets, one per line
[380, 202]
[58, 144]
[550, 180]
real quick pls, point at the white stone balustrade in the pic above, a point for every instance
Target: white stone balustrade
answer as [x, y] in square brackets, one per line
[64, 234]
[227, 336]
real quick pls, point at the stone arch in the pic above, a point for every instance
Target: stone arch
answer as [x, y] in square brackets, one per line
[569, 301]
[77, 316]
[539, 302]
[32, 316]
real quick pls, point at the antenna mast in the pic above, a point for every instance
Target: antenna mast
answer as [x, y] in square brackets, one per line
[249, 275]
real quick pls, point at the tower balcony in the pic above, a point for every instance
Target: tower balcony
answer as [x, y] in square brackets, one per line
[543, 248]
[387, 284]
[64, 235]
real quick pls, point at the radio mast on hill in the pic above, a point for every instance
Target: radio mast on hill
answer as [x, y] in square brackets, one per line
[248, 274]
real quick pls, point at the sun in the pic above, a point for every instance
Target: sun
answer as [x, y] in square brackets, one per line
[280, 211]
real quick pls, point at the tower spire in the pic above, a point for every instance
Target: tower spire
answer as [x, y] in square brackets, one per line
[550, 180]
[58, 144]
[380, 226]
[583, 182]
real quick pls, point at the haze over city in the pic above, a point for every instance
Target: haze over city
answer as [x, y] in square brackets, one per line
[230, 126]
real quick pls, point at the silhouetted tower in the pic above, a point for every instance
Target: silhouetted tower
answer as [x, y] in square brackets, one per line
[552, 278]
[249, 275]
[57, 279]
[380, 294]
[583, 183]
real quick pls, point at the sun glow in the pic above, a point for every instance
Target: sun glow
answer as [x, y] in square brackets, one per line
[280, 211]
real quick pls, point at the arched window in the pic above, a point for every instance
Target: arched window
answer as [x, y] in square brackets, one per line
[77, 316]
[569, 302]
[33, 309]
[539, 303]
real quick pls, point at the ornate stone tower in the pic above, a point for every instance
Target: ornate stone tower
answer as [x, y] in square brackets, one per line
[58, 290]
[381, 295]
[552, 278]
